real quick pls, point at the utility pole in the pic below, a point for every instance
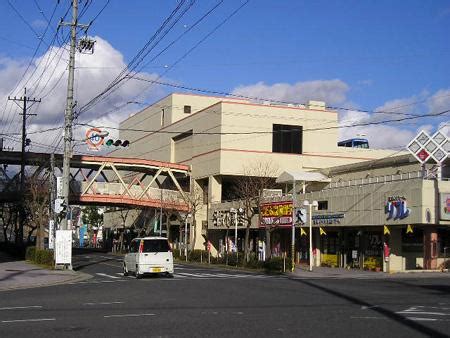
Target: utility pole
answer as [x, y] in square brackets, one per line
[68, 116]
[24, 99]
[51, 229]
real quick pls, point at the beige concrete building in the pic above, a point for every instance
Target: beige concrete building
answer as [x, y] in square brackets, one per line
[390, 214]
[221, 138]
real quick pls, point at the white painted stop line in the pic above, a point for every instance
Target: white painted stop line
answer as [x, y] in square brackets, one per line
[105, 275]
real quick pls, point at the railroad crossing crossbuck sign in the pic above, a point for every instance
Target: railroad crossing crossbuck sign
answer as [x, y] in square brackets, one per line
[424, 147]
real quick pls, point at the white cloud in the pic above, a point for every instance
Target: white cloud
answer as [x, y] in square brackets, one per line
[330, 91]
[440, 101]
[380, 136]
[39, 23]
[93, 73]
[334, 92]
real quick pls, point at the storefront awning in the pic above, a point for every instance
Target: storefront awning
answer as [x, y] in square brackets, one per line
[302, 176]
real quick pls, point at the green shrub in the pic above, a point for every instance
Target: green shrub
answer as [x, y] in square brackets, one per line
[38, 256]
[30, 253]
[176, 254]
[254, 263]
[275, 264]
[198, 256]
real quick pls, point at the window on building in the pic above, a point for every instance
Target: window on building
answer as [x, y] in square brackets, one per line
[187, 109]
[323, 205]
[287, 139]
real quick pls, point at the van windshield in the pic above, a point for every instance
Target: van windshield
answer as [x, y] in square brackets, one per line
[156, 245]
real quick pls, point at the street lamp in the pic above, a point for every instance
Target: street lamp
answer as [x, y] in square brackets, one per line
[185, 235]
[235, 212]
[312, 205]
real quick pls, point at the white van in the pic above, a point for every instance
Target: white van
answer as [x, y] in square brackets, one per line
[148, 255]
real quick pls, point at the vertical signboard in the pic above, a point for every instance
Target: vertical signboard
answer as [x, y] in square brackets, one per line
[444, 206]
[51, 234]
[59, 187]
[63, 247]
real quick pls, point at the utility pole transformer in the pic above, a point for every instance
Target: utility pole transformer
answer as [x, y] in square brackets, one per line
[68, 117]
[24, 100]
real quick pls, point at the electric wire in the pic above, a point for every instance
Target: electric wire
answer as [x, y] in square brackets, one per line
[132, 63]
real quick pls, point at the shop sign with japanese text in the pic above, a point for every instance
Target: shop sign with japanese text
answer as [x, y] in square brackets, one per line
[276, 214]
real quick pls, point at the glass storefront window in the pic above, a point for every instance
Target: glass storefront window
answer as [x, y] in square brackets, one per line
[412, 242]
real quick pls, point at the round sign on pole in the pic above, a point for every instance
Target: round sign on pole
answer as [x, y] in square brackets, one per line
[95, 137]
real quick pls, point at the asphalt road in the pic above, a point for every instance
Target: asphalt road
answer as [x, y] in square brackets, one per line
[204, 302]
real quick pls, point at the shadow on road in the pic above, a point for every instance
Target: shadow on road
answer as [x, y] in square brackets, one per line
[385, 312]
[80, 265]
[438, 288]
[17, 273]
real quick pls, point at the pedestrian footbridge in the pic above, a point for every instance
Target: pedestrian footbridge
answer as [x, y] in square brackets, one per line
[104, 180]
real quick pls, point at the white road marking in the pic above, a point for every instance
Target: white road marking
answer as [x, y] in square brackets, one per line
[130, 315]
[28, 320]
[366, 317]
[368, 307]
[103, 303]
[105, 275]
[21, 307]
[422, 319]
[424, 313]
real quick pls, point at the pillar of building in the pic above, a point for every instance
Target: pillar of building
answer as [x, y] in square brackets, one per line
[395, 262]
[430, 253]
[196, 237]
[316, 247]
[214, 189]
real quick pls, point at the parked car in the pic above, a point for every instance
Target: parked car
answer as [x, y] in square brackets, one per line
[148, 255]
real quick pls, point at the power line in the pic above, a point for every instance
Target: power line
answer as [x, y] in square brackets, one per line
[195, 46]
[160, 131]
[133, 63]
[192, 48]
[222, 93]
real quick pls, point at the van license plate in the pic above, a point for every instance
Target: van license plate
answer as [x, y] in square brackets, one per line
[156, 269]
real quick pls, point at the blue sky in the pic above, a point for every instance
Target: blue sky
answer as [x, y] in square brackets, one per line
[362, 54]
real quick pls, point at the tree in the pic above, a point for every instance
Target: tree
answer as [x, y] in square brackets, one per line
[92, 217]
[8, 217]
[37, 201]
[257, 177]
[194, 200]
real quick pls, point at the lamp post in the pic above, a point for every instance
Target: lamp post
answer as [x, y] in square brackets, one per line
[234, 211]
[185, 235]
[310, 207]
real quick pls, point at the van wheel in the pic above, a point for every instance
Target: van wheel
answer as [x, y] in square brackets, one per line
[169, 275]
[137, 274]
[125, 270]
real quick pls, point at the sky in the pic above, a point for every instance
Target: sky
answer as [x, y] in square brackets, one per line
[360, 57]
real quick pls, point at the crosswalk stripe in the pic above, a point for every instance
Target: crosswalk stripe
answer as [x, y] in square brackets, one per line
[105, 275]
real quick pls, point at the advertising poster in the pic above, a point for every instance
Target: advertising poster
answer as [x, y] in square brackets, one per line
[63, 247]
[445, 206]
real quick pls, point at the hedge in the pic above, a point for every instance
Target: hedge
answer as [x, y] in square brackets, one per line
[275, 264]
[38, 256]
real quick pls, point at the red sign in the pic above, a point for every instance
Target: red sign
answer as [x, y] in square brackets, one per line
[423, 155]
[276, 214]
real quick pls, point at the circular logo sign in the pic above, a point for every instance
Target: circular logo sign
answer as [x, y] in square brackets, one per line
[95, 137]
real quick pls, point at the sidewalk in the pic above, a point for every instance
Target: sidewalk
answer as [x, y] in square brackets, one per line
[23, 275]
[337, 273]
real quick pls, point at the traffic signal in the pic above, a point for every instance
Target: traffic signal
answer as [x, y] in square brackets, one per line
[117, 143]
[27, 142]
